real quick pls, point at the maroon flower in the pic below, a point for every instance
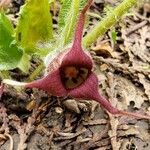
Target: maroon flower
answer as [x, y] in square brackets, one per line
[70, 74]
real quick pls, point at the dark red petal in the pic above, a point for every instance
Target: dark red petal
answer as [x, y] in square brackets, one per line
[89, 90]
[77, 57]
[51, 84]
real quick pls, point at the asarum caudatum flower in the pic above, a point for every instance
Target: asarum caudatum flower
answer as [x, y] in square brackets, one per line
[70, 74]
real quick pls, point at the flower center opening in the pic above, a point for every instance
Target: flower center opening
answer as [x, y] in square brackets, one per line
[73, 76]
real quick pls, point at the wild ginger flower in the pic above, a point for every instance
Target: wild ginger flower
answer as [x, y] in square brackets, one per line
[70, 74]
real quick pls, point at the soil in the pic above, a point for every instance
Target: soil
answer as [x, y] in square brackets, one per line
[32, 120]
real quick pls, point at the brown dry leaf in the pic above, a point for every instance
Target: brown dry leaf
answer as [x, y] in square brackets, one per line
[24, 129]
[143, 128]
[4, 117]
[140, 130]
[96, 122]
[134, 143]
[147, 6]
[68, 120]
[81, 105]
[98, 138]
[31, 105]
[67, 136]
[113, 132]
[104, 67]
[42, 129]
[124, 144]
[113, 121]
[122, 92]
[146, 84]
[136, 44]
[2, 136]
[58, 110]
[140, 144]
[72, 105]
[104, 50]
[133, 130]
[126, 92]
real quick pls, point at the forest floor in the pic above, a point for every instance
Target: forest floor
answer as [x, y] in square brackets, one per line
[35, 121]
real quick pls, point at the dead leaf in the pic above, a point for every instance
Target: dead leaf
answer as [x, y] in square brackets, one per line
[145, 83]
[31, 105]
[133, 130]
[104, 67]
[72, 105]
[113, 132]
[126, 92]
[96, 122]
[103, 49]
[58, 110]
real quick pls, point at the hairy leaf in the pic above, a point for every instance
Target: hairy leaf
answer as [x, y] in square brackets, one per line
[35, 24]
[66, 9]
[63, 12]
[24, 64]
[67, 19]
[10, 54]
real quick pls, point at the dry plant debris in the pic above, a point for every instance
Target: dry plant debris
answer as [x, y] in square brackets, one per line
[54, 123]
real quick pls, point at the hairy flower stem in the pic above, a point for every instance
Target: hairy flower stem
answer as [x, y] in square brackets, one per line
[108, 22]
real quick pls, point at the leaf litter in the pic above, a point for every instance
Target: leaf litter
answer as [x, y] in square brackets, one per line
[53, 124]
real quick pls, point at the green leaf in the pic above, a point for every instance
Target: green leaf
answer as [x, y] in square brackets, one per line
[67, 19]
[24, 64]
[70, 23]
[66, 9]
[114, 36]
[10, 54]
[35, 24]
[63, 12]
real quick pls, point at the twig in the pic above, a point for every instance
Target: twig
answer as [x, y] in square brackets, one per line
[141, 17]
[136, 27]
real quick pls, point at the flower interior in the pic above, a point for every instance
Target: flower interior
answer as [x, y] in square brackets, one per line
[73, 76]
